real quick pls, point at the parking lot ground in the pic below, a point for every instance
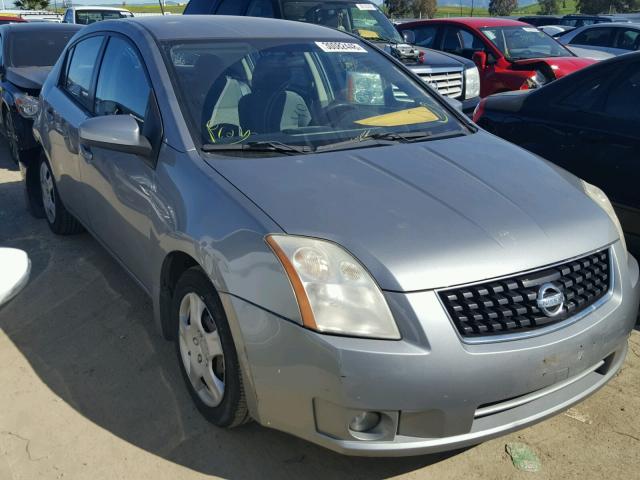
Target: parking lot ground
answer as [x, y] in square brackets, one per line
[89, 390]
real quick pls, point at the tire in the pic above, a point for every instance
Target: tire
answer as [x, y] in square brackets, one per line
[206, 352]
[59, 219]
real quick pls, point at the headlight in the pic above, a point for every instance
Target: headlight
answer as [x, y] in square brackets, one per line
[27, 105]
[472, 83]
[335, 292]
[538, 79]
[602, 200]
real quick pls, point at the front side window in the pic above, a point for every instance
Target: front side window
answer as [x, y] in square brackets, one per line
[628, 39]
[520, 43]
[81, 61]
[37, 49]
[595, 37]
[362, 18]
[299, 92]
[122, 82]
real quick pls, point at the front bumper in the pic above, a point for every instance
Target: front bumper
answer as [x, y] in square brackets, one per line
[433, 391]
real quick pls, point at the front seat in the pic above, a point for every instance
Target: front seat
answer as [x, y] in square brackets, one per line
[271, 107]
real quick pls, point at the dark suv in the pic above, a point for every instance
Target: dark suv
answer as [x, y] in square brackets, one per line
[582, 20]
[452, 76]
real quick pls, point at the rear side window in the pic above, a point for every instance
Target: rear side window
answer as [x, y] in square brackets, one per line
[586, 95]
[199, 7]
[122, 86]
[231, 7]
[425, 36]
[624, 96]
[260, 8]
[595, 37]
[80, 64]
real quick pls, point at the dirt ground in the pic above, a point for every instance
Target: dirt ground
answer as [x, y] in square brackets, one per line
[89, 390]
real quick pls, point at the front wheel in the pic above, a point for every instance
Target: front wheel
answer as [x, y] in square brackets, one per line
[206, 352]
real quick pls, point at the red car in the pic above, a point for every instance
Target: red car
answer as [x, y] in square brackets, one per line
[510, 55]
[4, 19]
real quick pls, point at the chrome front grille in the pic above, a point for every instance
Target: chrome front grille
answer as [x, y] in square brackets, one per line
[449, 84]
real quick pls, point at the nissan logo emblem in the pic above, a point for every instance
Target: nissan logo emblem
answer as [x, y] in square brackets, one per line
[550, 299]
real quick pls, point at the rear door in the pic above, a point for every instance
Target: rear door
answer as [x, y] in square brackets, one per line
[65, 108]
[123, 194]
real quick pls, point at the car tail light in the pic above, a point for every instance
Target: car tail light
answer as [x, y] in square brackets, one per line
[478, 112]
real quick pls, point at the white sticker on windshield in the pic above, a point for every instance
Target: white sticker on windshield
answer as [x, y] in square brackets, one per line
[340, 47]
[365, 6]
[530, 29]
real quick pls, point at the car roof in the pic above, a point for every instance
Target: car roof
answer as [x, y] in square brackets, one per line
[193, 27]
[479, 22]
[38, 26]
[635, 26]
[98, 7]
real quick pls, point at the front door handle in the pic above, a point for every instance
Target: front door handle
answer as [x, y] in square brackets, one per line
[86, 153]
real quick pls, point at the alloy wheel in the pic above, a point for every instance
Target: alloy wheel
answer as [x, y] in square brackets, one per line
[201, 350]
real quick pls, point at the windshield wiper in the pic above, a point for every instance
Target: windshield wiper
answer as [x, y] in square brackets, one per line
[382, 139]
[265, 146]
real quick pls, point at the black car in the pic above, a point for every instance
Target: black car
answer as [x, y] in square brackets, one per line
[578, 20]
[588, 123]
[541, 20]
[29, 50]
[453, 77]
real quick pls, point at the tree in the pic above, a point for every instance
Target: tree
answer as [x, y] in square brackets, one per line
[425, 8]
[31, 4]
[607, 6]
[399, 8]
[502, 8]
[549, 7]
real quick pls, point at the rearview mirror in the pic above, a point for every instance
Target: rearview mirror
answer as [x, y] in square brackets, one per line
[120, 133]
[480, 59]
[409, 36]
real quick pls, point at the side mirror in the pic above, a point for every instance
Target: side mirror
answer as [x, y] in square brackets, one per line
[120, 133]
[480, 59]
[409, 36]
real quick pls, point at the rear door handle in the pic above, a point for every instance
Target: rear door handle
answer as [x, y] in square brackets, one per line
[86, 153]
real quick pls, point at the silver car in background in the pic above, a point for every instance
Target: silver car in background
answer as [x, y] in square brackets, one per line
[336, 253]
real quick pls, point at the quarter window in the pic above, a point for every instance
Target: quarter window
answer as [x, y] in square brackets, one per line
[122, 87]
[81, 62]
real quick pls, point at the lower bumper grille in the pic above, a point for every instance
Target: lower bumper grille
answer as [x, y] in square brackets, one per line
[531, 300]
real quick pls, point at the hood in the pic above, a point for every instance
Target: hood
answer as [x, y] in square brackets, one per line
[410, 54]
[28, 78]
[589, 53]
[560, 66]
[429, 215]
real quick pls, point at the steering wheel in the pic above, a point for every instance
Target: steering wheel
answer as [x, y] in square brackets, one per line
[336, 112]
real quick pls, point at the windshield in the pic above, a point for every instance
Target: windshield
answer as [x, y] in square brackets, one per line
[519, 43]
[86, 17]
[299, 93]
[37, 49]
[361, 18]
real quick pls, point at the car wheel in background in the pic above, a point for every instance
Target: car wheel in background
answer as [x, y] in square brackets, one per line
[12, 136]
[59, 219]
[206, 352]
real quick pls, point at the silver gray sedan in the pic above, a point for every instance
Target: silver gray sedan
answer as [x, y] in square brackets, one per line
[335, 251]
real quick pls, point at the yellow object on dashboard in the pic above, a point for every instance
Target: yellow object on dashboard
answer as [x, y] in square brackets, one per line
[403, 117]
[367, 33]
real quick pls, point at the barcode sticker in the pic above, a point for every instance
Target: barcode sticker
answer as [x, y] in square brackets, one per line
[340, 47]
[530, 29]
[365, 6]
